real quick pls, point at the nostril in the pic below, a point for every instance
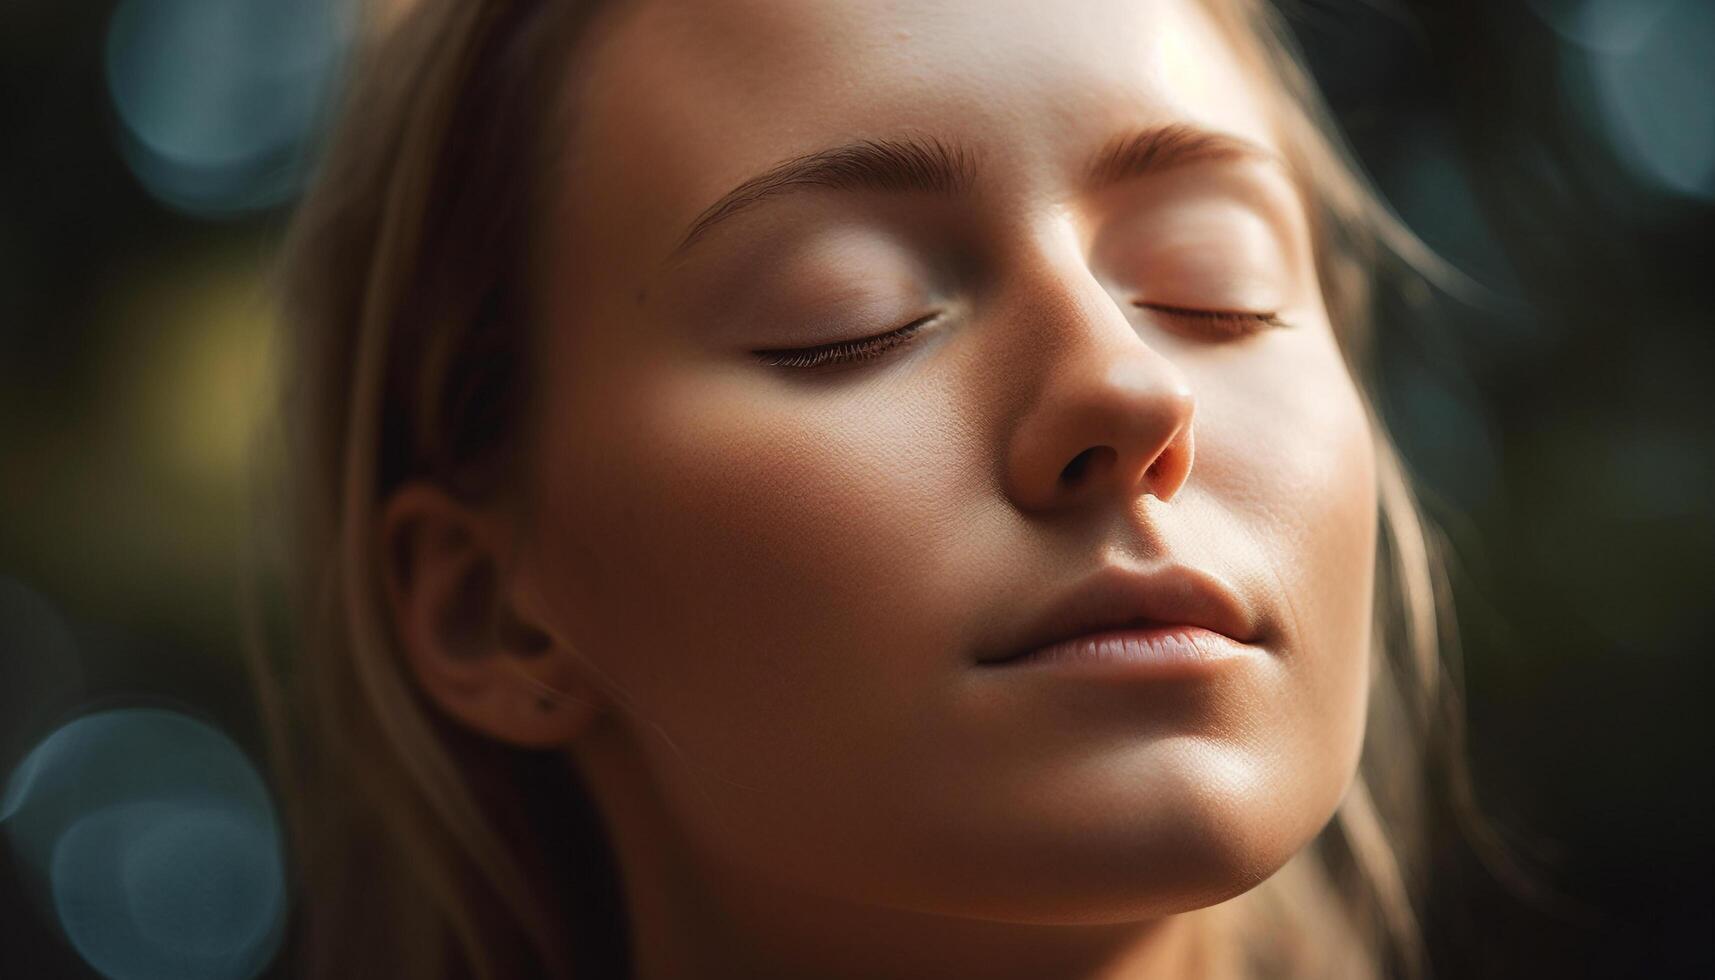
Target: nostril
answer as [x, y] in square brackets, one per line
[1086, 461]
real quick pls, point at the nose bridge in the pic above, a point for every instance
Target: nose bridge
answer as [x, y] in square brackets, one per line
[1053, 280]
[1105, 415]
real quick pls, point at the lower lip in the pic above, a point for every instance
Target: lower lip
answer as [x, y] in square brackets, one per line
[1156, 652]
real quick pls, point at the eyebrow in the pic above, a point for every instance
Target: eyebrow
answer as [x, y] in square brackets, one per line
[1157, 148]
[931, 166]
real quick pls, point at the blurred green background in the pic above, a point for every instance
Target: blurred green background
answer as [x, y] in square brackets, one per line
[1560, 152]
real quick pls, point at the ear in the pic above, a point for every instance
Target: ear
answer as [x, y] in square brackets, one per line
[446, 571]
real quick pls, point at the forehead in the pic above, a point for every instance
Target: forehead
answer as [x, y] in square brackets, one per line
[680, 100]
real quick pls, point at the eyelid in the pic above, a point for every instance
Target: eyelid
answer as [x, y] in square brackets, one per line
[844, 351]
[1236, 322]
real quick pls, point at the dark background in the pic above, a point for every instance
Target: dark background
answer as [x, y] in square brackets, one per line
[1560, 152]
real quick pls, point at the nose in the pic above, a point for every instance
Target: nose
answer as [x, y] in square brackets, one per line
[1110, 419]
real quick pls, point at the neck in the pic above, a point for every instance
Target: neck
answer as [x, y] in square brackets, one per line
[689, 919]
[766, 932]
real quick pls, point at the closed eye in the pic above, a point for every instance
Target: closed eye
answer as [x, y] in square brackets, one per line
[845, 351]
[1224, 324]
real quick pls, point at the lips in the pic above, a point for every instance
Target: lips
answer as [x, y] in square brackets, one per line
[1118, 598]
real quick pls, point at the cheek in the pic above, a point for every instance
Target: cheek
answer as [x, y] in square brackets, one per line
[1287, 448]
[747, 560]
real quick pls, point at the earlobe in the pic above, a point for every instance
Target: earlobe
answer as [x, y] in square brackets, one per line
[461, 634]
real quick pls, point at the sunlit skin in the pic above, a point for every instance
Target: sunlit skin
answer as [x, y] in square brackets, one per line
[765, 588]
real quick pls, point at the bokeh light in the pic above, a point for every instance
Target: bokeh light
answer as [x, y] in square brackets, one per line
[41, 672]
[218, 98]
[154, 841]
[191, 365]
[1653, 95]
[162, 890]
[1602, 25]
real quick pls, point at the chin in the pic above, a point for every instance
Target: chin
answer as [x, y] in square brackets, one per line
[1174, 839]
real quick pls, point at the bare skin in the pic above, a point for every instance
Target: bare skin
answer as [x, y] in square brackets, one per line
[765, 589]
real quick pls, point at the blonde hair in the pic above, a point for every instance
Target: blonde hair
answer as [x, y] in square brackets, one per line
[407, 287]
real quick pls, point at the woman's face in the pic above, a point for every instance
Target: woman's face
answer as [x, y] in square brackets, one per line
[791, 574]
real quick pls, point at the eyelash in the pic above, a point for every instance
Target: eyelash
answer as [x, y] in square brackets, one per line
[845, 351]
[1233, 323]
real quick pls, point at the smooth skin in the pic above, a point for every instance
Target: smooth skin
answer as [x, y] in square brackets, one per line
[763, 589]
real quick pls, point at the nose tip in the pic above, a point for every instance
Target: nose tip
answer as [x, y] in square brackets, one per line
[1112, 424]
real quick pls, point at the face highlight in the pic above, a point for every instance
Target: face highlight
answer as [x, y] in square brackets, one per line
[797, 471]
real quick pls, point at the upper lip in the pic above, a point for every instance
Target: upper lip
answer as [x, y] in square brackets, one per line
[1121, 598]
